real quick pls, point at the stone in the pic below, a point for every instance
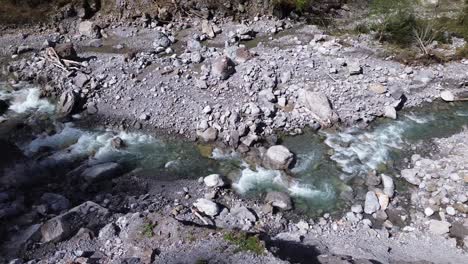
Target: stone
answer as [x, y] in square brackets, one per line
[101, 171]
[207, 207]
[450, 210]
[213, 180]
[377, 88]
[117, 143]
[223, 67]
[59, 228]
[67, 103]
[278, 158]
[447, 96]
[89, 29]
[3, 107]
[410, 175]
[208, 135]
[371, 204]
[109, 231]
[207, 29]
[81, 79]
[389, 185]
[390, 112]
[383, 200]
[279, 200]
[319, 106]
[354, 68]
[243, 213]
[439, 227]
[242, 55]
[357, 208]
[428, 211]
[161, 40]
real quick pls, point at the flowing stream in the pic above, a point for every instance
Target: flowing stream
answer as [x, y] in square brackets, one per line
[326, 161]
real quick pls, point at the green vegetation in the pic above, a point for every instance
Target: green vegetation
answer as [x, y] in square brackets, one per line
[245, 242]
[148, 229]
[289, 5]
[201, 261]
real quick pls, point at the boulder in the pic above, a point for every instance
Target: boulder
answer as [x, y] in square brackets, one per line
[371, 204]
[318, 105]
[101, 171]
[117, 143]
[242, 55]
[208, 29]
[439, 227]
[3, 107]
[206, 206]
[447, 96]
[389, 185]
[55, 202]
[89, 29]
[67, 103]
[161, 40]
[213, 180]
[390, 112]
[60, 227]
[223, 67]
[208, 135]
[410, 175]
[278, 158]
[279, 200]
[66, 51]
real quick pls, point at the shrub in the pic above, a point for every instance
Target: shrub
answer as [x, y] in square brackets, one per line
[245, 242]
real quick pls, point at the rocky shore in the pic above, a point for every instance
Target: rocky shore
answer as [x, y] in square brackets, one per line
[239, 86]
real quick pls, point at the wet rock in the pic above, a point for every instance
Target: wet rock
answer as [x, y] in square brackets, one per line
[117, 143]
[279, 200]
[206, 206]
[213, 180]
[67, 103]
[278, 158]
[89, 29]
[371, 204]
[55, 202]
[66, 51]
[209, 135]
[223, 67]
[319, 106]
[447, 96]
[101, 172]
[161, 40]
[390, 112]
[439, 227]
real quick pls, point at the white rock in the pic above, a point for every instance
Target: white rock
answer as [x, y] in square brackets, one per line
[389, 185]
[390, 112]
[206, 206]
[428, 211]
[439, 227]
[213, 180]
[450, 210]
[371, 204]
[447, 96]
[278, 158]
[357, 208]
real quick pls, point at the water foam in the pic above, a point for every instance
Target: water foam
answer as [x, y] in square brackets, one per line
[28, 99]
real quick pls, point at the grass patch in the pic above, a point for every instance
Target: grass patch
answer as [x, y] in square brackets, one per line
[462, 52]
[148, 228]
[245, 242]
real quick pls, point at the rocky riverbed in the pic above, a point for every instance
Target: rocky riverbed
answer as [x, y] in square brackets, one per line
[151, 142]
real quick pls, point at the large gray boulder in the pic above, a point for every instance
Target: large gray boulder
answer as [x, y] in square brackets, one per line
[223, 67]
[279, 200]
[67, 103]
[278, 158]
[214, 180]
[101, 171]
[161, 40]
[208, 135]
[207, 207]
[319, 106]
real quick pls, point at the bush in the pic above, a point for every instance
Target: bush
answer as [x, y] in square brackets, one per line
[245, 242]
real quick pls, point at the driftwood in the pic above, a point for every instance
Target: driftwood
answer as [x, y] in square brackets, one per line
[66, 65]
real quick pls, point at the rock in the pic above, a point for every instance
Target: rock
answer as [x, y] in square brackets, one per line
[206, 206]
[371, 205]
[410, 176]
[377, 88]
[242, 55]
[117, 143]
[428, 211]
[447, 96]
[279, 200]
[439, 227]
[55, 202]
[278, 158]
[207, 29]
[67, 103]
[194, 45]
[354, 68]
[242, 213]
[383, 200]
[81, 79]
[213, 180]
[59, 228]
[161, 40]
[144, 117]
[89, 29]
[101, 172]
[319, 106]
[450, 210]
[389, 185]
[223, 67]
[390, 112]
[109, 231]
[357, 208]
[66, 51]
[209, 135]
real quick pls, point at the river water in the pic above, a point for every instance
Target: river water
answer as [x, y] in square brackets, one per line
[327, 162]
